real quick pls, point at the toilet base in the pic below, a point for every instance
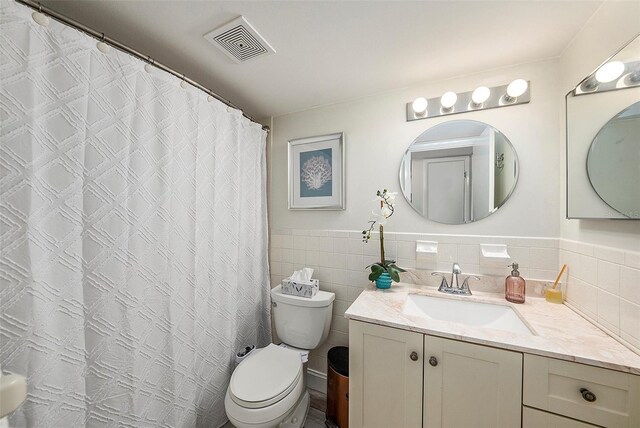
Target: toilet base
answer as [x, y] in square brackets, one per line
[298, 417]
[294, 419]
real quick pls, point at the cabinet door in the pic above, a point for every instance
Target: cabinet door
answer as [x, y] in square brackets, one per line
[532, 418]
[468, 385]
[385, 383]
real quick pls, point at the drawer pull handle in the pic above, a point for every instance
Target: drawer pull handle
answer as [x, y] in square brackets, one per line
[433, 361]
[588, 395]
[414, 356]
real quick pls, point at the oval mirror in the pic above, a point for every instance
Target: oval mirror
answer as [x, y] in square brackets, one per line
[459, 171]
[613, 162]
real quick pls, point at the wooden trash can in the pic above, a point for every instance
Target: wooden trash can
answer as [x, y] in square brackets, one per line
[338, 386]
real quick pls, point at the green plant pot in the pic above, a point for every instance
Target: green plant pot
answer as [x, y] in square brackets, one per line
[383, 281]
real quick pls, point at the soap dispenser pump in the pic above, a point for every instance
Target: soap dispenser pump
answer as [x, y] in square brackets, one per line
[514, 286]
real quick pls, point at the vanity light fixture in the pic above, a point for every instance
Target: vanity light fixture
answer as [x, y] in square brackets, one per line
[589, 85]
[419, 106]
[480, 95]
[482, 98]
[610, 71]
[448, 100]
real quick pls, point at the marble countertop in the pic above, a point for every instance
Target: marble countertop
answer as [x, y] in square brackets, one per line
[559, 331]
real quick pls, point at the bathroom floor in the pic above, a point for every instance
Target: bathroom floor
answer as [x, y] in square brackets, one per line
[316, 417]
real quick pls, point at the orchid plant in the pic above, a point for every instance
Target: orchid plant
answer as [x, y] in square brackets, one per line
[386, 201]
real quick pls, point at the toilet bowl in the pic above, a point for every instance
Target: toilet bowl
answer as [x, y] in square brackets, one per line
[268, 388]
[265, 388]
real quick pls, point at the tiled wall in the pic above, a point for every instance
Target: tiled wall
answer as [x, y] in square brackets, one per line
[340, 257]
[604, 286]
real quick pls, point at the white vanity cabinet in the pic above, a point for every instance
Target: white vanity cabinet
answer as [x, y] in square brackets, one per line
[385, 376]
[467, 385]
[399, 378]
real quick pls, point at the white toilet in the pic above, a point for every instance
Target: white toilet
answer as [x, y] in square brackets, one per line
[268, 388]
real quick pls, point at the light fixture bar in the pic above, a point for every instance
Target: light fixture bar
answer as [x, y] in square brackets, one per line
[627, 77]
[498, 97]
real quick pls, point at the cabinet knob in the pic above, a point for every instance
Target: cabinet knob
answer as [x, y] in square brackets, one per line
[588, 395]
[413, 356]
[433, 361]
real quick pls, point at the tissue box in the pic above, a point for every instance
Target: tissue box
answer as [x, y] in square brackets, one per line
[303, 289]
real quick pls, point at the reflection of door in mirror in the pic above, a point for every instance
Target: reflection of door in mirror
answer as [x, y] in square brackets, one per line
[448, 199]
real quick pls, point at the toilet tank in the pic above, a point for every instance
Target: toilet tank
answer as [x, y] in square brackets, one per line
[302, 322]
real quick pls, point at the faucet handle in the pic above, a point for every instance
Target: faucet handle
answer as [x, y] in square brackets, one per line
[465, 283]
[443, 283]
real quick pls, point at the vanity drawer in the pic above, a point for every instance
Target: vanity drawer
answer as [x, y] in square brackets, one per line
[533, 418]
[555, 386]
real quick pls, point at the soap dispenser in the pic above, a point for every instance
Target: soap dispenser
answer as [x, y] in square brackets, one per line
[514, 286]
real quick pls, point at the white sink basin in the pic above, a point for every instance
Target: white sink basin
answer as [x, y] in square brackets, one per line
[468, 312]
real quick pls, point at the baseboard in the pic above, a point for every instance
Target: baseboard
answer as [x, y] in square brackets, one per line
[317, 380]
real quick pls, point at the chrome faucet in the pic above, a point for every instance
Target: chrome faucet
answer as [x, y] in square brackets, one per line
[455, 287]
[455, 271]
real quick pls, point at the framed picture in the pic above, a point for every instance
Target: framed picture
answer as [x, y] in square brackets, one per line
[316, 173]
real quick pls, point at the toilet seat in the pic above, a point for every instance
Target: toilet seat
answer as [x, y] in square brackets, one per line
[266, 377]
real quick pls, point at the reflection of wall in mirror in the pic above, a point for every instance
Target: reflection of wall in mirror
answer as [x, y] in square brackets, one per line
[506, 175]
[481, 175]
[614, 165]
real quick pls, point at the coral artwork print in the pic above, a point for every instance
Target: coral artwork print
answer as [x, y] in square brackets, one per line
[316, 173]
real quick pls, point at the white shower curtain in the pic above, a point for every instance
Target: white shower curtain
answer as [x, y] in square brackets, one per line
[133, 260]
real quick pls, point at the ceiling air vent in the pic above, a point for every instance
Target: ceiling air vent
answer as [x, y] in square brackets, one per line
[239, 41]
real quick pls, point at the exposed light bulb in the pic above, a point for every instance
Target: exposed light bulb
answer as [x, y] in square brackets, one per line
[448, 99]
[419, 105]
[210, 98]
[480, 94]
[610, 71]
[184, 84]
[517, 88]
[148, 68]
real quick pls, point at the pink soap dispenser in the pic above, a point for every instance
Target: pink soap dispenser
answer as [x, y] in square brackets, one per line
[514, 286]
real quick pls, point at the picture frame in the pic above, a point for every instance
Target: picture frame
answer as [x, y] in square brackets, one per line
[316, 172]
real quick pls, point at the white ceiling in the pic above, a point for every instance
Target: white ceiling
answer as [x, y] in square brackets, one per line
[331, 51]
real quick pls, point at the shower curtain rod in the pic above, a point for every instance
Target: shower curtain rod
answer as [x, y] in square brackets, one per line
[101, 37]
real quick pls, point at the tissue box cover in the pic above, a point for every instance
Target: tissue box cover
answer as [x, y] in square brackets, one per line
[302, 289]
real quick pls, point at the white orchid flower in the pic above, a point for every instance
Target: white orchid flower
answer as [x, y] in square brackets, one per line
[378, 217]
[391, 197]
[385, 211]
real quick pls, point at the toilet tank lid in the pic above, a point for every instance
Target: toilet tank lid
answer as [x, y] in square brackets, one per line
[320, 300]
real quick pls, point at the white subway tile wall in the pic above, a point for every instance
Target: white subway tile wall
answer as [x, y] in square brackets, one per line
[339, 259]
[603, 284]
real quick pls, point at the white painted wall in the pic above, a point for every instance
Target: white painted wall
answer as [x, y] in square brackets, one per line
[377, 136]
[613, 25]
